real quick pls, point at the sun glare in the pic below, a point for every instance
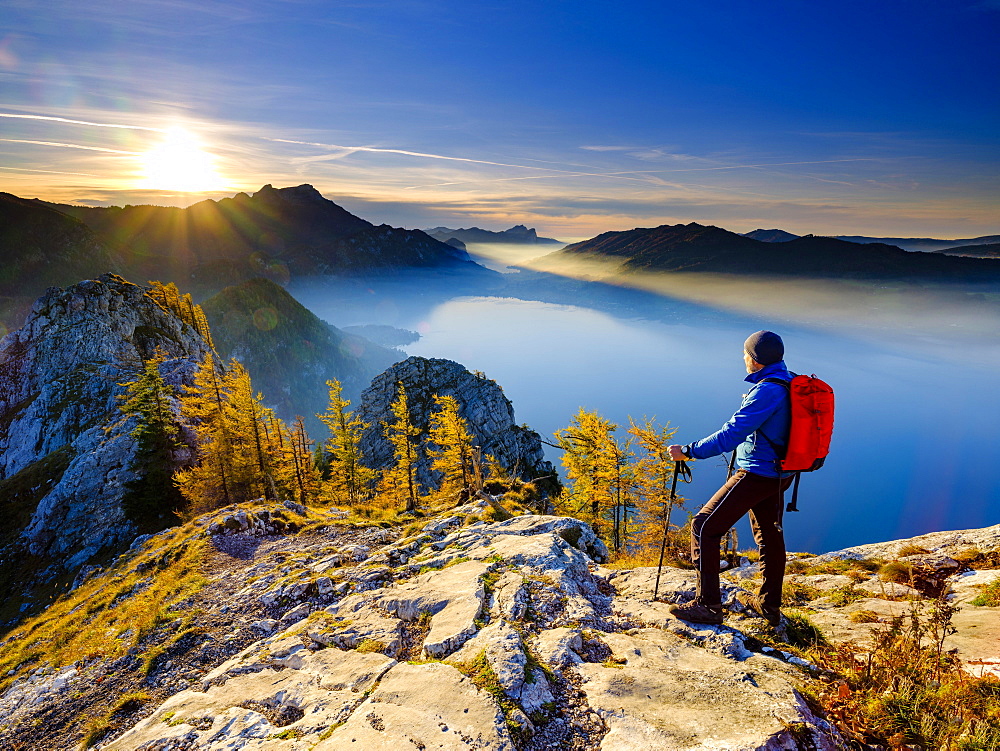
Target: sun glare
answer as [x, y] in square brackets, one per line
[179, 163]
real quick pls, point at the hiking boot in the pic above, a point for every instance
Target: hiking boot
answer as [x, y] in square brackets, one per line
[695, 612]
[755, 604]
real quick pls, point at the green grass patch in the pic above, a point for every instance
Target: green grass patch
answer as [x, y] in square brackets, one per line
[101, 726]
[800, 632]
[795, 592]
[478, 670]
[845, 595]
[989, 596]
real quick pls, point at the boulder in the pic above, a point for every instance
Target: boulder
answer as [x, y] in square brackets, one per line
[482, 404]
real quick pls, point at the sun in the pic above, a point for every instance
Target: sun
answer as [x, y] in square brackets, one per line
[179, 163]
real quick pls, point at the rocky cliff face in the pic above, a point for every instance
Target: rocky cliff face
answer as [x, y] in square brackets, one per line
[487, 412]
[65, 452]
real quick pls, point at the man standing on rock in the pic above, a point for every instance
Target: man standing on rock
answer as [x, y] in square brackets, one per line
[758, 431]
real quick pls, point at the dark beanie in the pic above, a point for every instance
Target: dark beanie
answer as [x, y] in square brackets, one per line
[765, 347]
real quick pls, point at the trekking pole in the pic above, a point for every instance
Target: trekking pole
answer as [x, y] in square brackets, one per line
[680, 469]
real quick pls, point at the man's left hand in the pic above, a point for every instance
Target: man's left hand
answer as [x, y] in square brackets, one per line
[677, 453]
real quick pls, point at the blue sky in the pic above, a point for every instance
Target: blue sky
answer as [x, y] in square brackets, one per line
[575, 117]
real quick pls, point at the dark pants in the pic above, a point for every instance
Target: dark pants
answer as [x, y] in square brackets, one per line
[743, 492]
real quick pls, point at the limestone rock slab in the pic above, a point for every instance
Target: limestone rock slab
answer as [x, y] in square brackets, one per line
[431, 706]
[671, 695]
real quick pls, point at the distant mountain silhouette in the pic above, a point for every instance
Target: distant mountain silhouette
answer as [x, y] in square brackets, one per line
[771, 235]
[516, 234]
[276, 232]
[694, 247]
[987, 250]
[42, 247]
[926, 244]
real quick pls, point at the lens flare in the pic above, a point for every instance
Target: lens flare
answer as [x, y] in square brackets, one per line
[179, 163]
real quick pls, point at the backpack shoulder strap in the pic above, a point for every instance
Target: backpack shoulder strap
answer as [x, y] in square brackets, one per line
[779, 448]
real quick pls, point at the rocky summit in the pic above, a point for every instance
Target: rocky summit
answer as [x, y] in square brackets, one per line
[65, 452]
[456, 633]
[488, 413]
[277, 626]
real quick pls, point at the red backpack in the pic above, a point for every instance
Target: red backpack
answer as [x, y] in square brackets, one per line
[812, 427]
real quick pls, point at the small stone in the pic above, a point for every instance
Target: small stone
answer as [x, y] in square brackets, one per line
[296, 614]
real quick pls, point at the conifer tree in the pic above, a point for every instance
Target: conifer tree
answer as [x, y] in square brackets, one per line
[348, 481]
[306, 474]
[248, 417]
[453, 457]
[654, 472]
[598, 468]
[152, 498]
[183, 306]
[205, 407]
[399, 484]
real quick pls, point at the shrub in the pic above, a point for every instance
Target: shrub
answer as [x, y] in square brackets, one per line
[896, 571]
[906, 689]
[990, 595]
[864, 616]
[911, 550]
[497, 514]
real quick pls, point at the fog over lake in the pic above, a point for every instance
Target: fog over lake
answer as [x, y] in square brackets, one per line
[916, 433]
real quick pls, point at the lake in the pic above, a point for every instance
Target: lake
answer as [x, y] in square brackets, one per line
[917, 415]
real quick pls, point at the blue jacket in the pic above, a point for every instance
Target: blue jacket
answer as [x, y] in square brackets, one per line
[766, 408]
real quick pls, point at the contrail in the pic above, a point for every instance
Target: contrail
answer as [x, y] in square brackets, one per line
[620, 175]
[79, 122]
[47, 171]
[372, 149]
[71, 146]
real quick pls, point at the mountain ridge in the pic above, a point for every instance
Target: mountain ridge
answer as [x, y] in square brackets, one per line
[276, 233]
[925, 244]
[519, 233]
[699, 248]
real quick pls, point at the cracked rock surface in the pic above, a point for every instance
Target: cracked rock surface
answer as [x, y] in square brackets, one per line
[505, 635]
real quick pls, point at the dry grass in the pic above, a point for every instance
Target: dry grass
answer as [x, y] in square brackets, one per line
[907, 691]
[899, 572]
[119, 609]
[109, 614]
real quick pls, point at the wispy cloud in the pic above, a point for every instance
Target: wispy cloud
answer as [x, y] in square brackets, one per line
[70, 146]
[47, 171]
[622, 174]
[67, 120]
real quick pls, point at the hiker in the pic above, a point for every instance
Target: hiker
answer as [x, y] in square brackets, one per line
[757, 432]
